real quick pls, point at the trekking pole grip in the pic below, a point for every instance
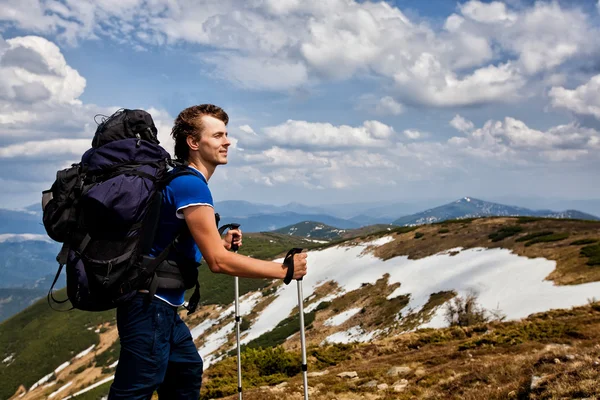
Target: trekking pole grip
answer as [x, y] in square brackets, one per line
[222, 230]
[288, 262]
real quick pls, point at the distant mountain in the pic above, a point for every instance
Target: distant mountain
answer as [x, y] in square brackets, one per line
[14, 300]
[27, 263]
[364, 220]
[469, 207]
[312, 230]
[271, 222]
[21, 221]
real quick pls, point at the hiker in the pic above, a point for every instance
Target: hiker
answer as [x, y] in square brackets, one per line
[157, 349]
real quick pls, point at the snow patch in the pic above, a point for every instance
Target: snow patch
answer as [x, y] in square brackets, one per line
[339, 319]
[60, 390]
[41, 381]
[61, 367]
[85, 352]
[352, 335]
[9, 358]
[87, 389]
[203, 327]
[213, 342]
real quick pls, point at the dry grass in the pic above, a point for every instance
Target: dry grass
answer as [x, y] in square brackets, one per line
[553, 355]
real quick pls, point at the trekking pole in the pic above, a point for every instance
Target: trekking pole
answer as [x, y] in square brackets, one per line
[289, 262]
[235, 247]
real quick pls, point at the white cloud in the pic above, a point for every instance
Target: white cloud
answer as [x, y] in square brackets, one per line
[489, 13]
[44, 125]
[486, 53]
[327, 136]
[48, 148]
[584, 100]
[513, 140]
[388, 106]
[413, 134]
[461, 124]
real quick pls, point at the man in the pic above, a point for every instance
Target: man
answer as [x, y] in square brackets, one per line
[157, 350]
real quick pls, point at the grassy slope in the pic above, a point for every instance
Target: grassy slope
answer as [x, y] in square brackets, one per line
[571, 268]
[41, 339]
[557, 349]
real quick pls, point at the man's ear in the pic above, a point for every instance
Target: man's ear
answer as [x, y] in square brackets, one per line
[192, 142]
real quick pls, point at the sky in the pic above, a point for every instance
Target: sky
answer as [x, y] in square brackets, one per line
[330, 101]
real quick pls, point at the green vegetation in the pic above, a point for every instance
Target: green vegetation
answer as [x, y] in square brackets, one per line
[330, 355]
[592, 253]
[443, 230]
[533, 236]
[419, 235]
[323, 305]
[282, 331]
[505, 232]
[259, 367]
[549, 238]
[42, 339]
[267, 366]
[584, 241]
[267, 245]
[513, 334]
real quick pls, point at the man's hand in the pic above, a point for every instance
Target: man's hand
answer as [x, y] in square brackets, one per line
[232, 235]
[299, 265]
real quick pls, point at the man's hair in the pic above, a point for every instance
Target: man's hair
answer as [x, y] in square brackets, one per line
[189, 123]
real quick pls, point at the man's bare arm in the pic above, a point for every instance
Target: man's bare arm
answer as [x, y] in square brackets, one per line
[201, 222]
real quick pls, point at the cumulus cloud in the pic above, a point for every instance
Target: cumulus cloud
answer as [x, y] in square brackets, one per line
[304, 134]
[584, 100]
[513, 140]
[461, 124]
[44, 125]
[486, 52]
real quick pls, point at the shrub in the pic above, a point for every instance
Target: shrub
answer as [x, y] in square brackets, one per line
[533, 236]
[592, 253]
[464, 311]
[550, 238]
[244, 324]
[583, 241]
[505, 232]
[419, 235]
[323, 305]
[444, 230]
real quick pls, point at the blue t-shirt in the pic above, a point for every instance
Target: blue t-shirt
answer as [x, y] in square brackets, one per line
[183, 191]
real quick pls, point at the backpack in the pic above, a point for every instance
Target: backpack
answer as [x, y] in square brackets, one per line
[106, 209]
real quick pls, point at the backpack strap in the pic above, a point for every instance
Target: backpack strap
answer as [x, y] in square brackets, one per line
[62, 260]
[149, 271]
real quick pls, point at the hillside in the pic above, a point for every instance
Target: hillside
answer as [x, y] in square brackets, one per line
[312, 230]
[376, 289]
[469, 207]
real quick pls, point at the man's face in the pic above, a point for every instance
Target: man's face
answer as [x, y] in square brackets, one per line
[213, 143]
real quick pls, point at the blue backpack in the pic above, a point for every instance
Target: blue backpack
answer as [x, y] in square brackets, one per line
[106, 209]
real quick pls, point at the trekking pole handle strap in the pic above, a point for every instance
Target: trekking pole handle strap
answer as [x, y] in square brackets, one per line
[288, 262]
[222, 230]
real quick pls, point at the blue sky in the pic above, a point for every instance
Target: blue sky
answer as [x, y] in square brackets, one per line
[329, 101]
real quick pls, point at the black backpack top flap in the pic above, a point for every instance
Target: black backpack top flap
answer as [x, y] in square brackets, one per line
[126, 124]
